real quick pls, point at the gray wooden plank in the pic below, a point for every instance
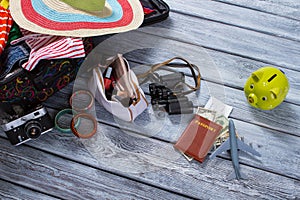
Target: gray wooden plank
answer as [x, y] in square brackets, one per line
[286, 8]
[225, 66]
[276, 147]
[143, 159]
[170, 128]
[138, 155]
[242, 111]
[241, 17]
[153, 126]
[62, 140]
[234, 72]
[276, 119]
[284, 118]
[229, 39]
[12, 191]
[69, 180]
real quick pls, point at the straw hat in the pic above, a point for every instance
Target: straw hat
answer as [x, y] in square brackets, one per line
[78, 18]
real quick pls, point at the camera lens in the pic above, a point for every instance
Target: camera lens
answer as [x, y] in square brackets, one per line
[33, 129]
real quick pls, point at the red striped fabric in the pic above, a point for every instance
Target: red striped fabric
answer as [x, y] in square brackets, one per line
[50, 47]
[5, 26]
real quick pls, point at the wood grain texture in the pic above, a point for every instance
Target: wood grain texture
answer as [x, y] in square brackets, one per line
[152, 126]
[216, 66]
[69, 180]
[155, 127]
[222, 70]
[12, 191]
[287, 8]
[107, 118]
[232, 40]
[241, 17]
[283, 118]
[119, 162]
[114, 150]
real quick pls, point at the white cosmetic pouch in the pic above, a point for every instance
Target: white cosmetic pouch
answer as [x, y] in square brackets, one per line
[116, 87]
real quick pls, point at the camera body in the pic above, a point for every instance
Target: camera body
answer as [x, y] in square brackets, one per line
[29, 126]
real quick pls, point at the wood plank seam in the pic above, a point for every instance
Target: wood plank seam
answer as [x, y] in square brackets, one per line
[255, 9]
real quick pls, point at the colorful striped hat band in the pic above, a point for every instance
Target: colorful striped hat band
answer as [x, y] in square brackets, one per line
[77, 18]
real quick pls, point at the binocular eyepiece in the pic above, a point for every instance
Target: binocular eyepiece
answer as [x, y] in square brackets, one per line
[172, 101]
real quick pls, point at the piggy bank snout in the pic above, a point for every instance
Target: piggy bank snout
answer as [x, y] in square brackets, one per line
[252, 99]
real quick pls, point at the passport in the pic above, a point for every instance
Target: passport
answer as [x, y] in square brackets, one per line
[198, 137]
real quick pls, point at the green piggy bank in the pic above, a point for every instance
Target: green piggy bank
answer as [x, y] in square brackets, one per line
[266, 88]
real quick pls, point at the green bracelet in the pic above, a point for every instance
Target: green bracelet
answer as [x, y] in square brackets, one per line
[60, 114]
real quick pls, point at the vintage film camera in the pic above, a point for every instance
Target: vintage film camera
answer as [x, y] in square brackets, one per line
[27, 125]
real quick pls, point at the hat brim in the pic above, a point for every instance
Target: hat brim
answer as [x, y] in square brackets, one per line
[40, 16]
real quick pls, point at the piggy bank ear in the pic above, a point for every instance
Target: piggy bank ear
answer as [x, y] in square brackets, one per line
[256, 76]
[275, 92]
